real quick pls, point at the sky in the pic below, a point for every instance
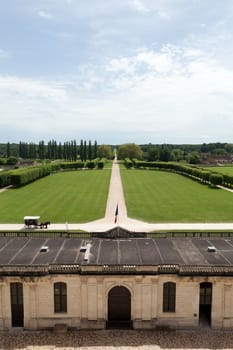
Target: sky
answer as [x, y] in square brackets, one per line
[116, 71]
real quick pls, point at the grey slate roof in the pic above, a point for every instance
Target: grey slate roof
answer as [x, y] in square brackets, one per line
[139, 252]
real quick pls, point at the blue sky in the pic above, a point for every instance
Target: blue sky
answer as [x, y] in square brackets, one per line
[116, 71]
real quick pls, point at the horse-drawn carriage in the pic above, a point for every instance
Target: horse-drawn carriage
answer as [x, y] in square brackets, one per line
[34, 222]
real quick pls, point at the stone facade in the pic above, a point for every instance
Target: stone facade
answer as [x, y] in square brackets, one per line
[87, 300]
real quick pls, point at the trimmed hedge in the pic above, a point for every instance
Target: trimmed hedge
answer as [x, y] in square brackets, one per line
[128, 163]
[24, 176]
[71, 165]
[91, 164]
[100, 164]
[5, 178]
[216, 179]
[2, 161]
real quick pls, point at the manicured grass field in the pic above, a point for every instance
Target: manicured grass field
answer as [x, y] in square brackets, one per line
[156, 196]
[228, 170]
[74, 197]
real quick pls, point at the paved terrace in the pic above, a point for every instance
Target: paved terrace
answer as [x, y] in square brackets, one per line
[117, 339]
[116, 196]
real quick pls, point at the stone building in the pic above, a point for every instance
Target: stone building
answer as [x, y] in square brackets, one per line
[115, 280]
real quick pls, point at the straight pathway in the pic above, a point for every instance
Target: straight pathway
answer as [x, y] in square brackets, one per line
[115, 196]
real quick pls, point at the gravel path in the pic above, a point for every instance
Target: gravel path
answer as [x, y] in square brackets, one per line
[117, 339]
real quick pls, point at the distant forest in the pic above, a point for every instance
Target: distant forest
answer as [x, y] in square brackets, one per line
[86, 150]
[194, 154]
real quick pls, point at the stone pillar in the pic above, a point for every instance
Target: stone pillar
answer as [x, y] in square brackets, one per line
[100, 300]
[154, 299]
[83, 298]
[146, 302]
[137, 301]
[6, 305]
[2, 307]
[92, 301]
[228, 303]
[217, 305]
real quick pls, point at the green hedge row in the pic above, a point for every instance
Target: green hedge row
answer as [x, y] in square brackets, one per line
[128, 163]
[23, 176]
[100, 163]
[71, 165]
[81, 165]
[5, 178]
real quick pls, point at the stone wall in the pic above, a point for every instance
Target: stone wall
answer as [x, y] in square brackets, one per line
[87, 301]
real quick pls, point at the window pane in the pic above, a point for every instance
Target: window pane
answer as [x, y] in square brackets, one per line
[60, 297]
[169, 297]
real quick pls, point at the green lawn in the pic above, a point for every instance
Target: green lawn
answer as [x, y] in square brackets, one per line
[156, 196]
[228, 170]
[74, 197]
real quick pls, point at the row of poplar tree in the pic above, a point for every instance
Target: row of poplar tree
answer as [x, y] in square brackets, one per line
[69, 150]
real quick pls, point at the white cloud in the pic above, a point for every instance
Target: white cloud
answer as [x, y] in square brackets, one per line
[45, 14]
[123, 64]
[150, 7]
[172, 95]
[139, 6]
[30, 88]
[192, 52]
[164, 15]
[4, 54]
[178, 94]
[145, 61]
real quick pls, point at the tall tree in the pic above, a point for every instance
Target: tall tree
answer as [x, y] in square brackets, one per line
[49, 150]
[89, 150]
[81, 151]
[59, 151]
[165, 154]
[23, 150]
[129, 150]
[95, 150]
[32, 150]
[105, 151]
[8, 150]
[41, 150]
[85, 150]
[74, 151]
[152, 153]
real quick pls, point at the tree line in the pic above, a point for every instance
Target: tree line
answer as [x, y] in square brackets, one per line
[69, 150]
[193, 154]
[85, 150]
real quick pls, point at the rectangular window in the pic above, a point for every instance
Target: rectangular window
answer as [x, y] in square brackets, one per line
[17, 309]
[169, 297]
[60, 297]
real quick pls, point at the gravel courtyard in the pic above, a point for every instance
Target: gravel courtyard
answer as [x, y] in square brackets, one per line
[116, 339]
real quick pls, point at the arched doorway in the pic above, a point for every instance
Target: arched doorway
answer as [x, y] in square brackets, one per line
[119, 308]
[205, 304]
